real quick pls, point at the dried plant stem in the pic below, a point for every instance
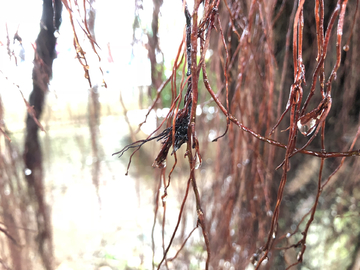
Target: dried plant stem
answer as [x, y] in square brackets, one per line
[183, 244]
[192, 141]
[156, 208]
[245, 53]
[177, 224]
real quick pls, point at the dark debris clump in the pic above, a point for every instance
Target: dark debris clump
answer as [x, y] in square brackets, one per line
[181, 137]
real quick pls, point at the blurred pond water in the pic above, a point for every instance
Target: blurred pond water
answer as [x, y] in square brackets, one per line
[113, 229]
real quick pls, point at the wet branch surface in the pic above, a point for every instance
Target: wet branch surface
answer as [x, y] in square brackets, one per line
[237, 50]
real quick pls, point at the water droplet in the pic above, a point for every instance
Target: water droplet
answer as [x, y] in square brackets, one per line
[274, 235]
[42, 24]
[211, 110]
[212, 134]
[197, 162]
[269, 213]
[288, 235]
[7, 190]
[298, 256]
[56, 34]
[198, 110]
[245, 162]
[161, 165]
[27, 171]
[308, 127]
[346, 48]
[14, 154]
[89, 160]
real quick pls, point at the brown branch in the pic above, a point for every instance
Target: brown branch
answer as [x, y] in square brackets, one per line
[343, 159]
[80, 53]
[177, 224]
[183, 244]
[156, 208]
[192, 140]
[4, 231]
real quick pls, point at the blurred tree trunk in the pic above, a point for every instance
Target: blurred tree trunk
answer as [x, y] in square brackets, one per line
[94, 112]
[42, 72]
[7, 204]
[153, 46]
